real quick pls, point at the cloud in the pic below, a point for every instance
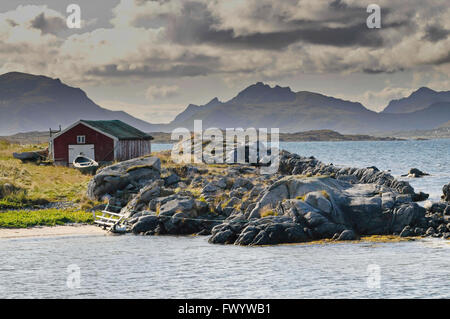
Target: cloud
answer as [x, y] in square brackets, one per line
[170, 39]
[435, 33]
[198, 23]
[377, 100]
[161, 92]
[53, 25]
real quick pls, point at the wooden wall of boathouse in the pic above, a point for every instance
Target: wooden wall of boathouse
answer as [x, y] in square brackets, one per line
[128, 149]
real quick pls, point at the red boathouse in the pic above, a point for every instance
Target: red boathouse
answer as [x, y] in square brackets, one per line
[103, 141]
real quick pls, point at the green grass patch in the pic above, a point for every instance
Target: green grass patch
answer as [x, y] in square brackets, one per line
[47, 217]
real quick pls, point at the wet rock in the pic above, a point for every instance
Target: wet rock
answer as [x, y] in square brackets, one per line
[416, 173]
[418, 231]
[226, 236]
[430, 231]
[407, 214]
[442, 228]
[446, 191]
[420, 197]
[265, 231]
[204, 232]
[347, 235]
[145, 224]
[407, 232]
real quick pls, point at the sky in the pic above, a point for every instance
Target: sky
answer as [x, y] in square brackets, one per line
[151, 58]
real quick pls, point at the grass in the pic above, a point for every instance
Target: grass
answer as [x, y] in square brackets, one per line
[267, 211]
[37, 184]
[48, 217]
[325, 194]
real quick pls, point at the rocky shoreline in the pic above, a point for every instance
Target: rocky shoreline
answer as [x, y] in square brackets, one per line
[305, 201]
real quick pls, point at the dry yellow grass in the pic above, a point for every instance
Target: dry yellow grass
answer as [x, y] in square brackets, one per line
[41, 182]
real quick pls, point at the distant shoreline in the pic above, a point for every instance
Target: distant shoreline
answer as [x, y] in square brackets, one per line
[307, 136]
[165, 138]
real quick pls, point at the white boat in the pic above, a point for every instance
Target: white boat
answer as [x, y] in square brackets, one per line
[85, 164]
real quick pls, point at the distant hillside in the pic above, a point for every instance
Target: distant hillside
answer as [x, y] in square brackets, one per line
[438, 133]
[260, 106]
[418, 100]
[165, 138]
[329, 136]
[36, 103]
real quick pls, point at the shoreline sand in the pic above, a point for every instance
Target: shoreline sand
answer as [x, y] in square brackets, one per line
[51, 231]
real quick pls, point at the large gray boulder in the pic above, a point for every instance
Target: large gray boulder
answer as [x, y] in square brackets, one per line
[326, 207]
[264, 231]
[132, 175]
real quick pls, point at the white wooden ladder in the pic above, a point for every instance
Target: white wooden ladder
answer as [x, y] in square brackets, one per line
[113, 222]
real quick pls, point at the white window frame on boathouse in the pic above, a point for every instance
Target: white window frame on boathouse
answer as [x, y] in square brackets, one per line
[81, 139]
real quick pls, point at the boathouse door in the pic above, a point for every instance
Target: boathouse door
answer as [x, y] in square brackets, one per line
[87, 150]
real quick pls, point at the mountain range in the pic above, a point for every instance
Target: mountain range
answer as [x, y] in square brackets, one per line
[36, 103]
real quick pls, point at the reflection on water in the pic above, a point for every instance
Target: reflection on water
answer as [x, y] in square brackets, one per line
[189, 267]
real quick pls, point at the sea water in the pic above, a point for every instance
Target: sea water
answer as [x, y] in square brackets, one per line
[189, 267]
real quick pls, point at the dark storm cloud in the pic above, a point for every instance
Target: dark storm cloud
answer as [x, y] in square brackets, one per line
[382, 70]
[52, 25]
[195, 26]
[436, 33]
[146, 71]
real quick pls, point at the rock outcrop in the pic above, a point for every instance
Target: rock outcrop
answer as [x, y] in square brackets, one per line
[125, 176]
[293, 164]
[319, 208]
[305, 201]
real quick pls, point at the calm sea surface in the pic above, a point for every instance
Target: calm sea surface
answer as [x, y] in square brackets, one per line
[188, 267]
